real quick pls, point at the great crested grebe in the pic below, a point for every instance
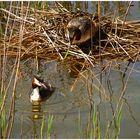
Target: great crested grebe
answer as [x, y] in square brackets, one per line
[81, 29]
[41, 90]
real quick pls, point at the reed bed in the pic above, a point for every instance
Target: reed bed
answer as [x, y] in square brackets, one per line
[27, 32]
[44, 36]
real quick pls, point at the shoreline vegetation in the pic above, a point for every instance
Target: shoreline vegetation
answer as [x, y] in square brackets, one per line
[37, 31]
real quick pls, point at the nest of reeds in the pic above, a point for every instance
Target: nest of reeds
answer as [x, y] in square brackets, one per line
[41, 34]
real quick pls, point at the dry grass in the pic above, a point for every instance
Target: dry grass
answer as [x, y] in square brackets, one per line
[44, 36]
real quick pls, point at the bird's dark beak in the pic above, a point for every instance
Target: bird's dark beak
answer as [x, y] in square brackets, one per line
[71, 37]
[74, 35]
[70, 42]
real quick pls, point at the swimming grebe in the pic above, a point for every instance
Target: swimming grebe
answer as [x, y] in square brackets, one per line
[81, 29]
[41, 90]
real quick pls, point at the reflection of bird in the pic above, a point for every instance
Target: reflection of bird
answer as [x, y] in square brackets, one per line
[41, 90]
[80, 30]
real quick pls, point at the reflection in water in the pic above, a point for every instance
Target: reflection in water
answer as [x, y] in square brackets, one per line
[41, 121]
[37, 111]
[37, 116]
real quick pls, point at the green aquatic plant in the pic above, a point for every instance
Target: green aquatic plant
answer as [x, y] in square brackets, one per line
[95, 121]
[3, 124]
[116, 131]
[79, 125]
[113, 128]
[107, 130]
[93, 130]
[50, 126]
[42, 126]
[2, 120]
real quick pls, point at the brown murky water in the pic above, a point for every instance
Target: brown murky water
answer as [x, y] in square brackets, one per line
[70, 105]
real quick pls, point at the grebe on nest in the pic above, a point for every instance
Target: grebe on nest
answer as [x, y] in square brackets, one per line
[85, 33]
